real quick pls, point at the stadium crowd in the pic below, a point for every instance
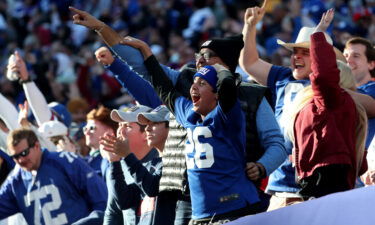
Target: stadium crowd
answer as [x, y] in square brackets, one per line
[182, 112]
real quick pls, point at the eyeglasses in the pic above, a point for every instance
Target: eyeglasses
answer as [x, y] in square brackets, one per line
[24, 153]
[205, 55]
[89, 128]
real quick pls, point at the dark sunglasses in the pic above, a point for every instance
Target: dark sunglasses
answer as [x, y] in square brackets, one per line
[24, 153]
[89, 128]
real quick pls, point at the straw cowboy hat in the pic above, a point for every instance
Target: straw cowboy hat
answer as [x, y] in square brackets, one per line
[303, 41]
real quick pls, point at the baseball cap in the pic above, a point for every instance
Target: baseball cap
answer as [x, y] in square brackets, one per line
[159, 114]
[61, 112]
[209, 74]
[53, 128]
[128, 114]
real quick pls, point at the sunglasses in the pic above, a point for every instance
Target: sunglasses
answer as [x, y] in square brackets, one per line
[90, 128]
[24, 153]
[206, 55]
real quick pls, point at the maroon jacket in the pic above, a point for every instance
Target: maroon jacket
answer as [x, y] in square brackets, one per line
[325, 128]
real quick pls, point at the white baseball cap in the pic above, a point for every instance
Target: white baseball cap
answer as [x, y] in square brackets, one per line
[128, 114]
[159, 114]
[53, 128]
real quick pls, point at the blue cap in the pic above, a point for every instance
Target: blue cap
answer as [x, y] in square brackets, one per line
[61, 112]
[209, 74]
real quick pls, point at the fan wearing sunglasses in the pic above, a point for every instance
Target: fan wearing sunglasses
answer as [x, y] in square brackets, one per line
[49, 187]
[98, 123]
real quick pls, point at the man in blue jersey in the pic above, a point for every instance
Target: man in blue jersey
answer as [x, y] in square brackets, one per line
[284, 83]
[265, 150]
[215, 155]
[360, 56]
[49, 187]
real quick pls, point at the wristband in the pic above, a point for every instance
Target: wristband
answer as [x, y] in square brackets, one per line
[24, 81]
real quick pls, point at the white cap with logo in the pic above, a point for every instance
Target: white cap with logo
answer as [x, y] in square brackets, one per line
[159, 114]
[128, 114]
[53, 128]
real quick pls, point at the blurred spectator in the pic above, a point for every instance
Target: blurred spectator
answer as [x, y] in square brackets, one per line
[78, 108]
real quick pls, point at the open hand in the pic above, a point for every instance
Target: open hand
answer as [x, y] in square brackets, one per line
[115, 145]
[325, 21]
[22, 115]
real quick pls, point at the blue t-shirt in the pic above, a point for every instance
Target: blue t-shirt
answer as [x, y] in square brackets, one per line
[284, 88]
[215, 158]
[64, 190]
[369, 89]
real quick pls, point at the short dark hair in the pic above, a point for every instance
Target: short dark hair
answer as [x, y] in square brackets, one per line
[17, 135]
[369, 52]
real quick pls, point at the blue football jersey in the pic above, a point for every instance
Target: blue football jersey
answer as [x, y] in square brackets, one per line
[215, 158]
[369, 89]
[64, 190]
[284, 88]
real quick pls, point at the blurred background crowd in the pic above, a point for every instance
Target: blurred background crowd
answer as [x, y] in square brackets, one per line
[60, 55]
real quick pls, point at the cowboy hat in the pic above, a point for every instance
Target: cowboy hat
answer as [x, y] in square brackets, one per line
[303, 41]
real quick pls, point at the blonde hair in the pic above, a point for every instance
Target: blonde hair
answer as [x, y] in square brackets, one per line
[305, 96]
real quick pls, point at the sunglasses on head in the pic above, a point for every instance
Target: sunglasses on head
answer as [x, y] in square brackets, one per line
[89, 128]
[23, 153]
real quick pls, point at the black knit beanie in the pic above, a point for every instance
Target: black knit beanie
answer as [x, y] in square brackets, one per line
[228, 49]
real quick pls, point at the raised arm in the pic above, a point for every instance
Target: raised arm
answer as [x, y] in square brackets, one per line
[160, 81]
[130, 55]
[34, 96]
[108, 35]
[249, 58]
[226, 88]
[139, 88]
[325, 77]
